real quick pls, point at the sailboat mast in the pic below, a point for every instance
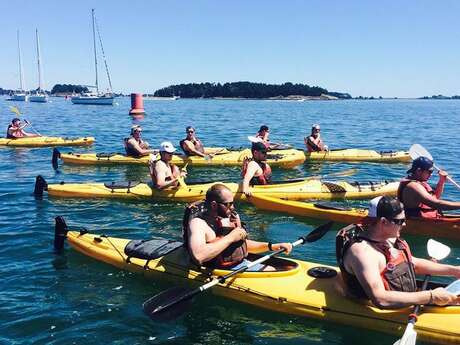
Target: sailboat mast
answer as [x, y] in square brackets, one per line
[21, 78]
[95, 53]
[38, 62]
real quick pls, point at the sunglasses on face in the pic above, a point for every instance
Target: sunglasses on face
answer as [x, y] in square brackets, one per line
[226, 204]
[190, 131]
[399, 221]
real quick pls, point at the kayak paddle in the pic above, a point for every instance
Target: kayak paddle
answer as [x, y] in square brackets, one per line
[173, 302]
[436, 251]
[418, 150]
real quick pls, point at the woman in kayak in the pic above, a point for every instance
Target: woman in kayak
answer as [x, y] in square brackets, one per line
[376, 264]
[215, 237]
[16, 130]
[314, 143]
[263, 135]
[163, 173]
[256, 171]
[419, 199]
[191, 145]
[135, 146]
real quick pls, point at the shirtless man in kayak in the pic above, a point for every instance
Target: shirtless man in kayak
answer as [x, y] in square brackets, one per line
[314, 143]
[215, 237]
[16, 130]
[419, 199]
[163, 173]
[256, 171]
[191, 145]
[376, 264]
[135, 146]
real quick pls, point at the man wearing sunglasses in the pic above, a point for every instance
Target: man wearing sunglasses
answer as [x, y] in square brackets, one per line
[215, 237]
[135, 146]
[191, 145]
[256, 171]
[164, 174]
[314, 143]
[419, 199]
[376, 264]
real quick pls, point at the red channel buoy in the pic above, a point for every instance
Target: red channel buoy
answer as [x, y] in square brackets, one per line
[137, 104]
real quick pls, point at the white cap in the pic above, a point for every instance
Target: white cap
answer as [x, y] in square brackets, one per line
[166, 146]
[373, 204]
[315, 126]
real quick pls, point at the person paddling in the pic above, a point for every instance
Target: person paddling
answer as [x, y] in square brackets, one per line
[314, 143]
[16, 130]
[377, 264]
[215, 237]
[256, 171]
[417, 196]
[163, 173]
[191, 145]
[135, 146]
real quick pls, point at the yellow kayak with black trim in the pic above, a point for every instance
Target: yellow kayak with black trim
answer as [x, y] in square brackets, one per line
[276, 158]
[47, 141]
[298, 190]
[296, 287]
[359, 155]
[447, 226]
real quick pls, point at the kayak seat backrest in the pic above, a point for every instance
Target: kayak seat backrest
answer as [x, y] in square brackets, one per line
[280, 264]
[106, 154]
[331, 207]
[334, 188]
[121, 185]
[150, 249]
[387, 153]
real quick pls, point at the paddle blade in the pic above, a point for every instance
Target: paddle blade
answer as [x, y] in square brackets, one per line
[409, 337]
[254, 139]
[15, 110]
[172, 312]
[437, 250]
[418, 150]
[319, 232]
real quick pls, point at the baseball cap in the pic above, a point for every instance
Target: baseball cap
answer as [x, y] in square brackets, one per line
[422, 163]
[258, 146]
[315, 126]
[166, 146]
[385, 206]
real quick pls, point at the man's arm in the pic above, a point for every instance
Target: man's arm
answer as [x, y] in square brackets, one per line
[202, 251]
[160, 173]
[255, 247]
[423, 196]
[250, 172]
[366, 269]
[423, 266]
[440, 185]
[135, 145]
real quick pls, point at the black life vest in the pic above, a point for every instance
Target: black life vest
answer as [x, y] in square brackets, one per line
[398, 274]
[263, 179]
[130, 150]
[230, 256]
[421, 210]
[8, 135]
[197, 143]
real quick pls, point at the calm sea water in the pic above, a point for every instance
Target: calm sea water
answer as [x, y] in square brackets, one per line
[73, 299]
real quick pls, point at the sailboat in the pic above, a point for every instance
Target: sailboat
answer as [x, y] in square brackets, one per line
[20, 95]
[96, 98]
[39, 95]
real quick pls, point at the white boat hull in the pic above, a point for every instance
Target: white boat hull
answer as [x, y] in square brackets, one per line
[92, 100]
[20, 98]
[38, 98]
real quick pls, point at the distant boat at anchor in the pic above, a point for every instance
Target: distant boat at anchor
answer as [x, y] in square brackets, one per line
[96, 97]
[20, 95]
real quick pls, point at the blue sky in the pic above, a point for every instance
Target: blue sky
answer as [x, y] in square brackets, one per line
[369, 48]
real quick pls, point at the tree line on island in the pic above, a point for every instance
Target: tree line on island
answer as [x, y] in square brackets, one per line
[245, 89]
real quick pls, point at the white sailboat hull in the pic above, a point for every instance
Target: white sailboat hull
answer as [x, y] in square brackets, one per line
[92, 100]
[38, 98]
[20, 97]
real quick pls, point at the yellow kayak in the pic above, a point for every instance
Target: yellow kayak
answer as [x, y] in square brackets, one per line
[299, 190]
[291, 289]
[276, 158]
[447, 226]
[359, 155]
[47, 141]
